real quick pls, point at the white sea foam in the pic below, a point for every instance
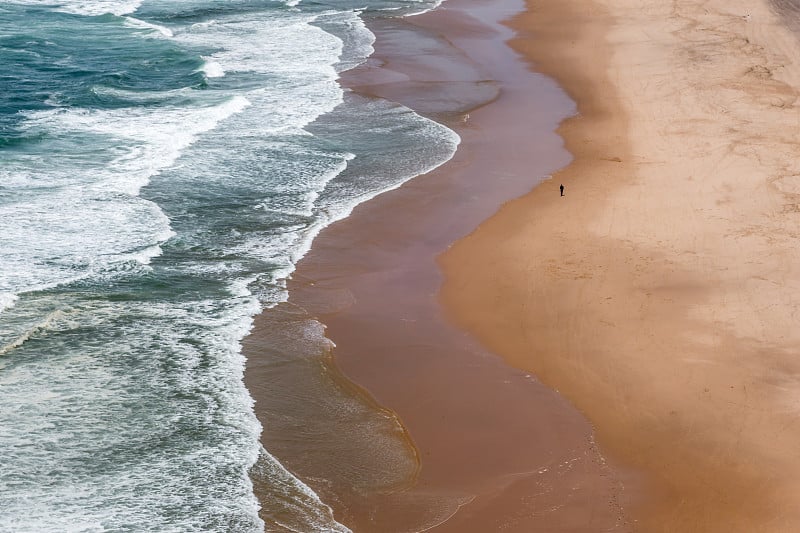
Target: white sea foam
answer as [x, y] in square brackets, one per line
[203, 24]
[268, 44]
[76, 235]
[7, 300]
[144, 25]
[159, 135]
[357, 38]
[101, 7]
[312, 514]
[213, 69]
[428, 7]
[76, 484]
[297, 56]
[144, 97]
[148, 369]
[88, 217]
[88, 7]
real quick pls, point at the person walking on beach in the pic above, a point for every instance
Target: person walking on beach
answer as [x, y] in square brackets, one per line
[562, 189]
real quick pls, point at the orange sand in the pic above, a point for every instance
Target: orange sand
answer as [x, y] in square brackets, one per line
[660, 295]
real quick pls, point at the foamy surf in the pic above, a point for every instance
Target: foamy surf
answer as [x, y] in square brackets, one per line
[154, 201]
[213, 69]
[7, 300]
[159, 136]
[94, 219]
[143, 25]
[88, 7]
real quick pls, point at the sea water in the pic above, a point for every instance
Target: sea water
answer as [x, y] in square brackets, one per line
[163, 165]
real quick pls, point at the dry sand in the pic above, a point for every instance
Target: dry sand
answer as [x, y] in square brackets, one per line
[660, 295]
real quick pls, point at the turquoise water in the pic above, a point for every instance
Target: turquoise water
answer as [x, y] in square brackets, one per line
[163, 165]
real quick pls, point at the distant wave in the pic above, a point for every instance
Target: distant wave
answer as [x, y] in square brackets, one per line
[89, 7]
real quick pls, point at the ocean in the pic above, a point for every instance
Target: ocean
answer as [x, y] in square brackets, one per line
[163, 166]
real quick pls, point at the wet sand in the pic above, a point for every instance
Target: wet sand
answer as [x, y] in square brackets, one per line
[660, 295]
[408, 424]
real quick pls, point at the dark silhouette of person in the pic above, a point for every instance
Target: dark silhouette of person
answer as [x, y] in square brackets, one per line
[562, 189]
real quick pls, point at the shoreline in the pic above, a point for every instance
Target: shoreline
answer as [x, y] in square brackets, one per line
[662, 302]
[483, 444]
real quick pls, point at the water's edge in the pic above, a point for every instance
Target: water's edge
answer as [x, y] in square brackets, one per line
[375, 481]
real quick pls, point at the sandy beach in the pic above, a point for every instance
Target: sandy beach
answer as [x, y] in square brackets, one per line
[660, 294]
[423, 428]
